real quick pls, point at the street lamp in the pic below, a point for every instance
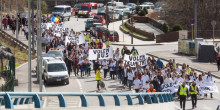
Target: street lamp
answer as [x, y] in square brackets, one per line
[113, 22]
[122, 22]
[195, 27]
[192, 31]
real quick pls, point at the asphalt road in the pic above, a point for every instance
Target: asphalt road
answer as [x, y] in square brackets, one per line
[88, 84]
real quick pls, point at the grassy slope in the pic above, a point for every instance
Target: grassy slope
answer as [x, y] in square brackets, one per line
[124, 27]
[20, 56]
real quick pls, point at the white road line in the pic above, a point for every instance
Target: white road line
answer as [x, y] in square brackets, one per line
[177, 107]
[81, 90]
[45, 100]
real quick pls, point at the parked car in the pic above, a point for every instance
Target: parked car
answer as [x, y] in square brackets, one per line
[132, 6]
[100, 19]
[92, 29]
[89, 23]
[150, 6]
[111, 35]
[100, 32]
[100, 5]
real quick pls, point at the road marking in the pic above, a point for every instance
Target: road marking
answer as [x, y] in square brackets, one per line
[45, 100]
[81, 90]
[177, 107]
[24, 64]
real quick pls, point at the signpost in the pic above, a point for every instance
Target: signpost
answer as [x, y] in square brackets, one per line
[192, 21]
[213, 26]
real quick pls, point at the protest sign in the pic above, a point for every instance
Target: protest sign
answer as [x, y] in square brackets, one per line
[134, 60]
[207, 87]
[100, 53]
[75, 39]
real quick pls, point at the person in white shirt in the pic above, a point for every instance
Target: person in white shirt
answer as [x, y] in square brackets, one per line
[130, 78]
[144, 78]
[137, 85]
[61, 46]
[105, 67]
[112, 66]
[178, 79]
[209, 80]
[145, 86]
[125, 75]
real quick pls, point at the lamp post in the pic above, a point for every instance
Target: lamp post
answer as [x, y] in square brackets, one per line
[122, 23]
[1, 14]
[29, 48]
[192, 30]
[196, 8]
[113, 22]
[17, 19]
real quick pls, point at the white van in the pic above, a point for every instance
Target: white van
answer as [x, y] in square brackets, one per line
[112, 5]
[62, 11]
[55, 70]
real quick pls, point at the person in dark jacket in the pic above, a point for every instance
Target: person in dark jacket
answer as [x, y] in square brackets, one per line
[96, 64]
[127, 51]
[218, 62]
[156, 84]
[134, 51]
[68, 62]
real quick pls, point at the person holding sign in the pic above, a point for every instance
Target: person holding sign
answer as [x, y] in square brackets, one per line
[193, 92]
[183, 93]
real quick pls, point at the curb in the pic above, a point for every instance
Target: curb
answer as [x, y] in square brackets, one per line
[135, 44]
[218, 77]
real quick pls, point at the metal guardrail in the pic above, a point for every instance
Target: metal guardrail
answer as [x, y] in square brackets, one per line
[6, 36]
[157, 97]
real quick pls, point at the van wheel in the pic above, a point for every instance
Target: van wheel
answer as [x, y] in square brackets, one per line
[67, 82]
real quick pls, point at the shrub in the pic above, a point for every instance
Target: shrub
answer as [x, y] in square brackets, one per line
[165, 27]
[138, 8]
[141, 13]
[177, 27]
[145, 9]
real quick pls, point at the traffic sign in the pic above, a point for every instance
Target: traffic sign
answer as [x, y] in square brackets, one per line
[213, 22]
[192, 21]
[21, 10]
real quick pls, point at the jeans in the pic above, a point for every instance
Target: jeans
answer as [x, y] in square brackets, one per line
[105, 72]
[5, 26]
[76, 70]
[125, 81]
[130, 82]
[98, 84]
[88, 71]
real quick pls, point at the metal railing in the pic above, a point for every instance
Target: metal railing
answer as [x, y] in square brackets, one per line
[26, 98]
[15, 41]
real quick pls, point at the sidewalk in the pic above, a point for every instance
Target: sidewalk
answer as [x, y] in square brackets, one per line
[189, 60]
[21, 36]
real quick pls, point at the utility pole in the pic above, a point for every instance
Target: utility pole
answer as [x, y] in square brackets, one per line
[17, 19]
[195, 27]
[33, 23]
[29, 47]
[39, 49]
[1, 14]
[9, 7]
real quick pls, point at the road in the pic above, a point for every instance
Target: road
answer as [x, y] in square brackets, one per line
[88, 84]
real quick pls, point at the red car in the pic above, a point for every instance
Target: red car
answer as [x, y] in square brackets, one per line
[111, 35]
[100, 19]
[100, 31]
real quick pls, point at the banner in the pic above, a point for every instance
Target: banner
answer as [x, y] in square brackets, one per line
[134, 60]
[168, 88]
[204, 88]
[76, 39]
[100, 53]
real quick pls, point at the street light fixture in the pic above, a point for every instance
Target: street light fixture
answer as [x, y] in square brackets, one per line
[213, 26]
[122, 22]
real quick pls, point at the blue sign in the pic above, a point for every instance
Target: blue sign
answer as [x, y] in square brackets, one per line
[192, 21]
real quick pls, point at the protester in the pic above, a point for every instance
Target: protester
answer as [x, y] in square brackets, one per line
[98, 77]
[183, 93]
[5, 23]
[134, 51]
[137, 85]
[193, 92]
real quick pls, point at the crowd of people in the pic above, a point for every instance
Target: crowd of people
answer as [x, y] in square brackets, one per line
[147, 78]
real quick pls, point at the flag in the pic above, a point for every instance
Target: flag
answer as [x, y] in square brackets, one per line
[53, 19]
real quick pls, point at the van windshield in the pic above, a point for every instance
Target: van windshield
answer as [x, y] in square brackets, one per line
[58, 9]
[56, 67]
[113, 33]
[84, 8]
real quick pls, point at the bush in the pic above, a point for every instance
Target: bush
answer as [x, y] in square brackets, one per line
[138, 8]
[177, 27]
[165, 27]
[141, 13]
[145, 9]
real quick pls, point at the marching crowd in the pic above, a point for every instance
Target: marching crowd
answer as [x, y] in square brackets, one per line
[148, 78]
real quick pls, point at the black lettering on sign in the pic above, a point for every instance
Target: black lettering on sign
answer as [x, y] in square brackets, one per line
[134, 58]
[102, 55]
[130, 58]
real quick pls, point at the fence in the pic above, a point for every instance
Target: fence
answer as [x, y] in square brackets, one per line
[16, 42]
[25, 98]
